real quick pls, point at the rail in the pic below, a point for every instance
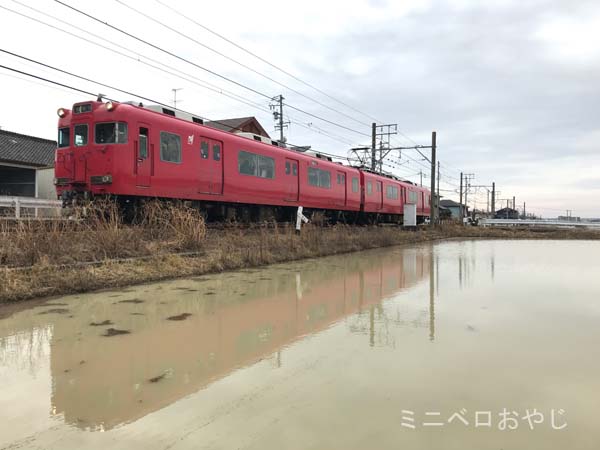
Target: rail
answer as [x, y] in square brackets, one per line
[20, 203]
[536, 223]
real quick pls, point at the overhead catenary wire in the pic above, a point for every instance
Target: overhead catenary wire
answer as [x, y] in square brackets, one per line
[212, 72]
[194, 80]
[235, 61]
[266, 61]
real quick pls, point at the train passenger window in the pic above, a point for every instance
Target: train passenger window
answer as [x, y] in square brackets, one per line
[170, 147]
[204, 150]
[81, 135]
[247, 163]
[354, 184]
[143, 146]
[392, 192]
[217, 152]
[412, 197]
[319, 178]
[64, 137]
[266, 167]
[342, 178]
[111, 133]
[378, 186]
[295, 169]
[288, 168]
[369, 188]
[256, 165]
[338, 179]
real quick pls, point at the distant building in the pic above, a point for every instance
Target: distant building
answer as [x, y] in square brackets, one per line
[507, 213]
[569, 219]
[454, 208]
[241, 124]
[26, 165]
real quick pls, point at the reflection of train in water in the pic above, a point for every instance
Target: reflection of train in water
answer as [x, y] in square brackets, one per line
[236, 319]
[135, 152]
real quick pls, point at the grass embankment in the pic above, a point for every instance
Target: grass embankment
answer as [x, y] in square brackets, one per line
[42, 259]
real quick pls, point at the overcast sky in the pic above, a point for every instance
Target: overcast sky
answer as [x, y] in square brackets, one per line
[511, 87]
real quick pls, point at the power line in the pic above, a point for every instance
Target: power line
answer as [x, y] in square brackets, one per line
[212, 72]
[265, 61]
[202, 83]
[235, 61]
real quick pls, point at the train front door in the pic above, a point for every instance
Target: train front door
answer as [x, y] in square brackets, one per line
[291, 180]
[143, 156]
[210, 173]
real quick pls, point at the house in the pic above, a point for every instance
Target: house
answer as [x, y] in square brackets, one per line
[26, 165]
[241, 124]
[507, 213]
[455, 208]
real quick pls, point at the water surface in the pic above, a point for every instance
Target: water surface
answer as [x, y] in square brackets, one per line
[395, 348]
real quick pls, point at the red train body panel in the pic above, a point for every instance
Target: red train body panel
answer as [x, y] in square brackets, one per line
[126, 150]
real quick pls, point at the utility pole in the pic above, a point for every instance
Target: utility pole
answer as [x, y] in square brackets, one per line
[514, 202]
[493, 199]
[175, 96]
[421, 175]
[468, 177]
[280, 123]
[460, 209]
[524, 210]
[373, 146]
[437, 204]
[433, 199]
[488, 202]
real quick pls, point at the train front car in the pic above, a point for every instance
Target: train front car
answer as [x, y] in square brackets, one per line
[93, 147]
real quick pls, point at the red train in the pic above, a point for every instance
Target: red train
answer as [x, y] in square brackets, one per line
[135, 152]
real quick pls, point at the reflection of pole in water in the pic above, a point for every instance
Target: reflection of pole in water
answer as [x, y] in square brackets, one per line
[437, 275]
[372, 326]
[460, 274]
[431, 302]
[493, 265]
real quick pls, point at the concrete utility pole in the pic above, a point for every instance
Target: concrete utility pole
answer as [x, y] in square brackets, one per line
[280, 123]
[175, 96]
[373, 146]
[460, 209]
[433, 199]
[437, 204]
[493, 198]
[514, 202]
[421, 175]
[524, 210]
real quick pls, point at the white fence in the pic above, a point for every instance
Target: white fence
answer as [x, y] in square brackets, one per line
[536, 223]
[52, 207]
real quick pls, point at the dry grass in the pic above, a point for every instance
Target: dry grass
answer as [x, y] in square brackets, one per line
[97, 233]
[172, 241]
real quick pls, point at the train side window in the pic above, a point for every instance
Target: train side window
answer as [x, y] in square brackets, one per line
[247, 163]
[319, 178]
[266, 167]
[354, 184]
[325, 179]
[64, 137]
[217, 152]
[204, 150]
[288, 168]
[170, 147]
[143, 152]
[369, 188]
[81, 135]
[378, 185]
[343, 178]
[295, 169]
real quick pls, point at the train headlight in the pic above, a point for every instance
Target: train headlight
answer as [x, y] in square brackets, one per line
[61, 112]
[109, 106]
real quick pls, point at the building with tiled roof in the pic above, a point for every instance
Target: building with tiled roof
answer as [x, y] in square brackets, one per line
[240, 124]
[25, 165]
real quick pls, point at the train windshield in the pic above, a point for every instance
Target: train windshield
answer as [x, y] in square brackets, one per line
[64, 137]
[111, 133]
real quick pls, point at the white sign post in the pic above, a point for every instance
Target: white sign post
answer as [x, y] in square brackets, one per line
[300, 218]
[410, 215]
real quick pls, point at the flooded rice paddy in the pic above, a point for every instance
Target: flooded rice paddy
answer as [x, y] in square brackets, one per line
[459, 345]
